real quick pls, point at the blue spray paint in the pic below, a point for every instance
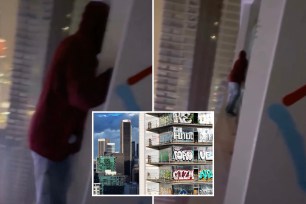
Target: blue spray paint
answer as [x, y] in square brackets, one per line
[128, 98]
[205, 174]
[293, 139]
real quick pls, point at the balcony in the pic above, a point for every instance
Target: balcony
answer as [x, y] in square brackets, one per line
[179, 182]
[166, 127]
[190, 163]
[163, 145]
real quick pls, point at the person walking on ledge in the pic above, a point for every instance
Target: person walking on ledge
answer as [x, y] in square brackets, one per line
[235, 80]
[71, 88]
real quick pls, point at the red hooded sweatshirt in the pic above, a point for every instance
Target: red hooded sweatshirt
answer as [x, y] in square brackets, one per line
[239, 70]
[71, 88]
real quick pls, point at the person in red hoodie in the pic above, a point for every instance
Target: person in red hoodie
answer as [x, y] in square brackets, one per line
[70, 89]
[236, 78]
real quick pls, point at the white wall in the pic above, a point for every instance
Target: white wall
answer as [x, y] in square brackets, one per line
[118, 17]
[81, 185]
[128, 28]
[135, 55]
[264, 170]
[243, 29]
[142, 183]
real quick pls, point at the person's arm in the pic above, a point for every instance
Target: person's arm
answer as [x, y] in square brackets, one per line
[85, 90]
[242, 85]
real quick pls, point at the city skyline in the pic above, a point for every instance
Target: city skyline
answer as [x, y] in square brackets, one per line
[107, 126]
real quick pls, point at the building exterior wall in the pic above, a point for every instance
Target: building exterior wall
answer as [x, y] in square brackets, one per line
[106, 163]
[126, 145]
[101, 147]
[269, 157]
[179, 162]
[110, 148]
[27, 57]
[225, 53]
[177, 25]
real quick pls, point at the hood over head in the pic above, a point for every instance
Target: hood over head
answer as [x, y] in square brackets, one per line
[93, 24]
[242, 55]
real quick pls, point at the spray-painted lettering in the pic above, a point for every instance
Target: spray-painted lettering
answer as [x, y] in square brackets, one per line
[205, 174]
[183, 135]
[202, 154]
[183, 155]
[206, 135]
[182, 117]
[183, 175]
[206, 191]
[206, 155]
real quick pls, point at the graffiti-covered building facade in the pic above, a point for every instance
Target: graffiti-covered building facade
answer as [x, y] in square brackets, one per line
[179, 153]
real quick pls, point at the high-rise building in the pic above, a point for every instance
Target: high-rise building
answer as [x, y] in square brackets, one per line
[179, 154]
[106, 164]
[110, 147]
[112, 184]
[101, 147]
[119, 163]
[137, 150]
[176, 54]
[125, 145]
[106, 142]
[133, 149]
[96, 178]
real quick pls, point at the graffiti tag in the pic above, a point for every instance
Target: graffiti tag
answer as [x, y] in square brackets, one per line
[183, 135]
[205, 174]
[182, 117]
[183, 155]
[206, 155]
[206, 135]
[183, 175]
[206, 191]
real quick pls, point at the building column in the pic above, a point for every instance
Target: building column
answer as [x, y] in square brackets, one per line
[243, 29]
[141, 159]
[269, 164]
[225, 52]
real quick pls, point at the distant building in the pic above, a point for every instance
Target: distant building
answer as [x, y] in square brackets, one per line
[105, 163]
[131, 188]
[119, 163]
[110, 147]
[137, 151]
[133, 149]
[112, 184]
[125, 145]
[96, 189]
[96, 178]
[135, 174]
[101, 147]
[113, 190]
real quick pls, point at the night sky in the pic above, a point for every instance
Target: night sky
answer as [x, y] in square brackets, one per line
[107, 125]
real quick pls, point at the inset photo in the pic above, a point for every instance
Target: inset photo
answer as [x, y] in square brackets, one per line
[115, 153]
[153, 153]
[179, 153]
